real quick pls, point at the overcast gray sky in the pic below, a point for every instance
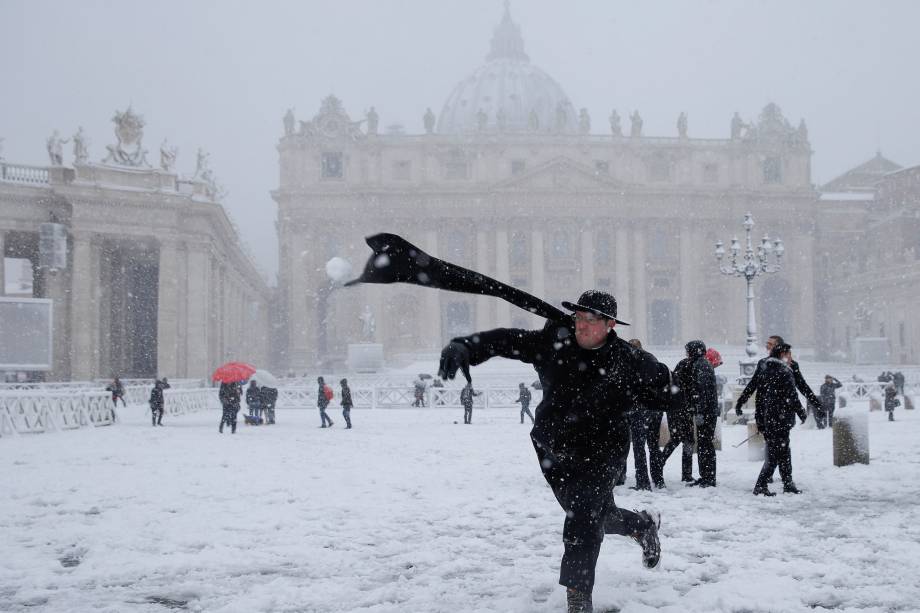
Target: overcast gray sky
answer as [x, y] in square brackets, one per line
[220, 74]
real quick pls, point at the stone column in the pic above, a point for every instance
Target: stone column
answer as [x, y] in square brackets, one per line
[197, 308]
[301, 320]
[639, 328]
[2, 263]
[689, 284]
[621, 278]
[84, 323]
[483, 303]
[431, 302]
[57, 288]
[167, 311]
[537, 270]
[502, 273]
[804, 319]
[587, 259]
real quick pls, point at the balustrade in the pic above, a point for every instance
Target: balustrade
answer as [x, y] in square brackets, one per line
[19, 173]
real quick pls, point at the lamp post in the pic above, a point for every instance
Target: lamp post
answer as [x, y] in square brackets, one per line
[750, 266]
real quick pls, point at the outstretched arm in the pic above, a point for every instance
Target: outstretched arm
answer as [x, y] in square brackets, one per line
[465, 351]
[748, 390]
[802, 385]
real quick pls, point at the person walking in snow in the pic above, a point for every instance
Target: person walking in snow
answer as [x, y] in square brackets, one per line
[323, 398]
[701, 398]
[229, 395]
[776, 406]
[347, 403]
[891, 400]
[268, 396]
[644, 428]
[118, 392]
[157, 402]
[680, 427]
[524, 399]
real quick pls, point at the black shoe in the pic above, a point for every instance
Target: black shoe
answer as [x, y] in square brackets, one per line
[791, 489]
[763, 491]
[645, 488]
[648, 538]
[660, 484]
[323, 426]
[578, 601]
[694, 483]
[687, 479]
[706, 483]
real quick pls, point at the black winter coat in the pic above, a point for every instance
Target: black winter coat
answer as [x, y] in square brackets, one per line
[253, 397]
[777, 399]
[797, 377]
[586, 393]
[156, 398]
[229, 395]
[346, 397]
[828, 395]
[680, 420]
[269, 396]
[699, 384]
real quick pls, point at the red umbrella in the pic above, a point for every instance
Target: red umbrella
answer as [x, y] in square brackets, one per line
[233, 371]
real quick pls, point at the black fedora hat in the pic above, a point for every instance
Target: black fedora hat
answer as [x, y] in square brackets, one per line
[597, 302]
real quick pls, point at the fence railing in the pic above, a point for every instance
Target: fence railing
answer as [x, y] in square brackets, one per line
[32, 411]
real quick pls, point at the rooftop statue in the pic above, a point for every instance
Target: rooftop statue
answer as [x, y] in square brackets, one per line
[615, 128]
[168, 156]
[372, 121]
[737, 126]
[429, 121]
[682, 125]
[584, 122]
[80, 151]
[55, 147]
[368, 325]
[289, 122]
[635, 130]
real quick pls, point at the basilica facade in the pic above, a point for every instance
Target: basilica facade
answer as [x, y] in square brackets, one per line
[511, 179]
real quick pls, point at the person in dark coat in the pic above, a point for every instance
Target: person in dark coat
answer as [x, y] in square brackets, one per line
[322, 402]
[644, 429]
[268, 396]
[703, 402]
[347, 403]
[524, 398]
[828, 397]
[156, 401]
[466, 399]
[680, 427]
[776, 406]
[590, 379]
[229, 395]
[891, 400]
[118, 392]
[898, 380]
[254, 402]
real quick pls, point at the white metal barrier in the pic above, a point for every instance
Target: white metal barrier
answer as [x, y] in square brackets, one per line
[183, 401]
[30, 411]
[401, 396]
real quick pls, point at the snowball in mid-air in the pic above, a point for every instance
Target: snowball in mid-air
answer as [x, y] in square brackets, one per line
[338, 269]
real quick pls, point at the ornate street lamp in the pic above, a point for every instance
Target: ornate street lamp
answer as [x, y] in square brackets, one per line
[750, 266]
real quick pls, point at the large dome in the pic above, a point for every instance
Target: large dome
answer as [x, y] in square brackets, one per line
[507, 93]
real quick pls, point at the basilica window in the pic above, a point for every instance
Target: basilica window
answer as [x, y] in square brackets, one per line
[402, 170]
[519, 256]
[773, 170]
[561, 245]
[456, 166]
[518, 167]
[602, 251]
[333, 166]
[710, 173]
[659, 168]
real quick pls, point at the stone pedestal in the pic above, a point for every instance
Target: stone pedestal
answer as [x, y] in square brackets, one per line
[757, 446]
[851, 436]
[365, 357]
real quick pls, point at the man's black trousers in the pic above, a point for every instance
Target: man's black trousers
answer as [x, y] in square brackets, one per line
[586, 496]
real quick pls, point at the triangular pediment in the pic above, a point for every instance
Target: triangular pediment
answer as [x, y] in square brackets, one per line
[559, 174]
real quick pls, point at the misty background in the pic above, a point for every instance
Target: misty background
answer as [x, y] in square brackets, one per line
[220, 75]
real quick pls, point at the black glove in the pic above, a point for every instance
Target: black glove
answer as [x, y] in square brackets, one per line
[738, 411]
[803, 416]
[455, 357]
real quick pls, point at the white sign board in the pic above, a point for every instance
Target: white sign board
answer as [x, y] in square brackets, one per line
[25, 334]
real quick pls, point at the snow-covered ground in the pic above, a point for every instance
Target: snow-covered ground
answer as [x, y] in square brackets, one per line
[409, 512]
